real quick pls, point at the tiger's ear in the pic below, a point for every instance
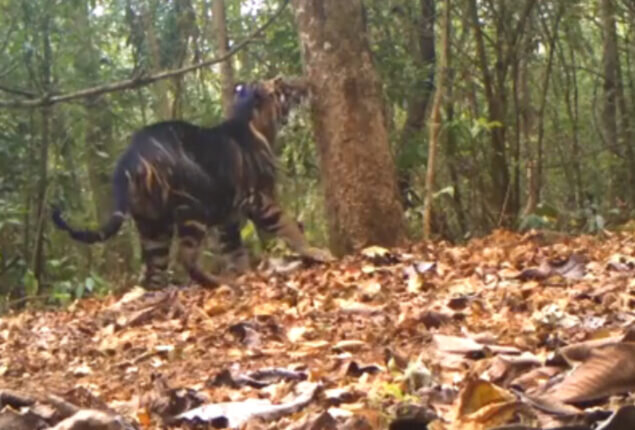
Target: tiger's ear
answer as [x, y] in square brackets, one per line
[240, 90]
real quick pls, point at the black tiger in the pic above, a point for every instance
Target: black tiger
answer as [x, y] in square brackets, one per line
[176, 176]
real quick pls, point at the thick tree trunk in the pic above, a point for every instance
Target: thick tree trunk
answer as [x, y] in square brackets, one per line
[222, 46]
[357, 167]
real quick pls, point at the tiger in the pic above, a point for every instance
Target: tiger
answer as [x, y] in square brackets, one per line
[179, 177]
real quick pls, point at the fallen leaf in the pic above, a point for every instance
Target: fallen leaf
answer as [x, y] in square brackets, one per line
[235, 414]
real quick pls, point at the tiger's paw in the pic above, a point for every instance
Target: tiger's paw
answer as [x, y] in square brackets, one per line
[318, 255]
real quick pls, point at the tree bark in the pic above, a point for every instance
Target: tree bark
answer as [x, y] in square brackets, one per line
[610, 63]
[495, 95]
[98, 139]
[38, 254]
[162, 108]
[435, 119]
[357, 167]
[499, 168]
[222, 47]
[424, 57]
[450, 146]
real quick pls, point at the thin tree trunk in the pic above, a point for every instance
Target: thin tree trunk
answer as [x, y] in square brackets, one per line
[499, 168]
[544, 91]
[160, 89]
[357, 166]
[100, 152]
[495, 94]
[451, 141]
[222, 46]
[424, 57]
[38, 254]
[572, 103]
[610, 63]
[626, 135]
[435, 119]
[186, 30]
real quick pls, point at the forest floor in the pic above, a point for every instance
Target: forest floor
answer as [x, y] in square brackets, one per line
[531, 329]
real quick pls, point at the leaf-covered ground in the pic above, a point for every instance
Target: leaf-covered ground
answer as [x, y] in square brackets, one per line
[528, 329]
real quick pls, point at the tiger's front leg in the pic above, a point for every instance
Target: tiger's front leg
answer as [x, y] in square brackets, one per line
[269, 217]
[235, 255]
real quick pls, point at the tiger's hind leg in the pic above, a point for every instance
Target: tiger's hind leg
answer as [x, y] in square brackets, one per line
[155, 237]
[191, 232]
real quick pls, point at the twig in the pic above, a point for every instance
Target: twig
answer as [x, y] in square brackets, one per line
[5, 268]
[136, 82]
[17, 91]
[12, 303]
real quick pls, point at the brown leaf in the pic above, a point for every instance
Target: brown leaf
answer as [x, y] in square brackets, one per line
[483, 405]
[581, 351]
[572, 268]
[608, 370]
[464, 345]
[478, 394]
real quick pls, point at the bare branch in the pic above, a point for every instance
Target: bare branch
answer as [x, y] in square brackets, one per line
[137, 82]
[17, 91]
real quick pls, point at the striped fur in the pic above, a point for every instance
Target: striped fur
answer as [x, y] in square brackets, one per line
[179, 179]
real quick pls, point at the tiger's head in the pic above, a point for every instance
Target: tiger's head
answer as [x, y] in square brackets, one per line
[267, 104]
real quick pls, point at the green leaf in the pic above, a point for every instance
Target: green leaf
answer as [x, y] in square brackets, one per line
[31, 285]
[449, 190]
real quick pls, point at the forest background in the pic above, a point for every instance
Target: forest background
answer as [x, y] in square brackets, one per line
[537, 115]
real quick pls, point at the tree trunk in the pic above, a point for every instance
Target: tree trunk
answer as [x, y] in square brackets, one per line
[505, 46]
[357, 167]
[499, 168]
[610, 63]
[450, 145]
[222, 46]
[435, 119]
[100, 152]
[162, 108]
[40, 223]
[626, 135]
[568, 59]
[424, 56]
[186, 30]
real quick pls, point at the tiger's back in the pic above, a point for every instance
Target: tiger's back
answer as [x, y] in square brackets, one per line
[174, 164]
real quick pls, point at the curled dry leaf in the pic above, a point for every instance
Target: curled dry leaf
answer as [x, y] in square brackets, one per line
[608, 370]
[483, 405]
[464, 345]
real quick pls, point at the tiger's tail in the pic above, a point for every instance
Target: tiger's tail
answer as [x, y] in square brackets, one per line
[111, 227]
